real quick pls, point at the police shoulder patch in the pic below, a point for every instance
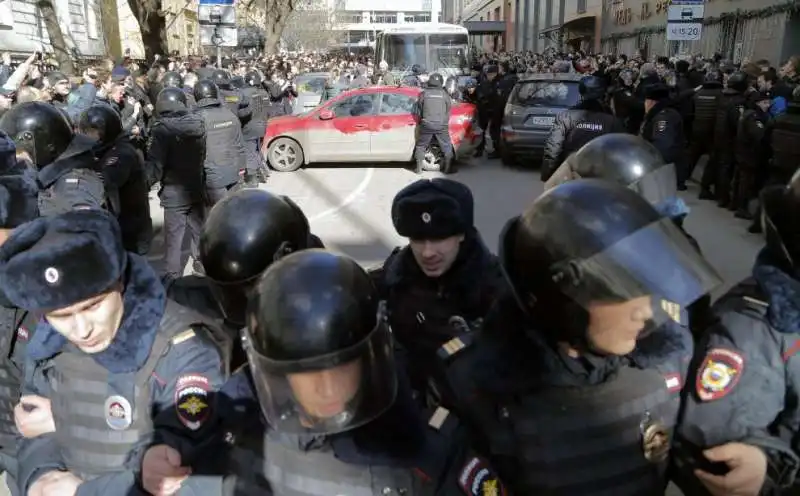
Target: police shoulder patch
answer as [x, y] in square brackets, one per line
[719, 373]
[478, 479]
[192, 400]
[661, 126]
[673, 310]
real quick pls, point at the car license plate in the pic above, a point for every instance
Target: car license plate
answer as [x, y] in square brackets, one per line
[543, 121]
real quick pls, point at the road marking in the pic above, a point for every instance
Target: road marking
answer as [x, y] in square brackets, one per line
[362, 186]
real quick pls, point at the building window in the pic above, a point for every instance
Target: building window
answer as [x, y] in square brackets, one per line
[6, 14]
[91, 20]
[581, 6]
[426, 5]
[439, 18]
[497, 14]
[385, 18]
[424, 17]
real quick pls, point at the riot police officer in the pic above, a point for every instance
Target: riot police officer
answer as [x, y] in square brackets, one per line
[175, 160]
[68, 171]
[579, 125]
[445, 271]
[19, 194]
[486, 93]
[232, 97]
[243, 234]
[663, 127]
[633, 162]
[413, 79]
[504, 84]
[109, 350]
[707, 100]
[589, 313]
[174, 80]
[731, 108]
[433, 109]
[751, 152]
[227, 161]
[739, 417]
[260, 103]
[123, 175]
[784, 151]
[321, 366]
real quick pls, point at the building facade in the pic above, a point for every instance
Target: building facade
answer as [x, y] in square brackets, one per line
[182, 28]
[22, 29]
[735, 29]
[358, 21]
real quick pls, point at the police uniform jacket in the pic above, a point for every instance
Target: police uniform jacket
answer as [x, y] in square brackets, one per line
[226, 155]
[73, 180]
[752, 140]
[124, 175]
[16, 329]
[404, 451]
[433, 108]
[573, 129]
[420, 308]
[785, 136]
[238, 103]
[730, 110]
[706, 102]
[745, 377]
[628, 108]
[553, 424]
[154, 385]
[175, 158]
[663, 127]
[259, 103]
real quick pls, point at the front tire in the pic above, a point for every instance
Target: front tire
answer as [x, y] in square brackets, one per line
[285, 155]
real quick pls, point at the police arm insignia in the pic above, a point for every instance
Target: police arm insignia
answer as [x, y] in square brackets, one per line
[478, 479]
[718, 374]
[192, 403]
[661, 126]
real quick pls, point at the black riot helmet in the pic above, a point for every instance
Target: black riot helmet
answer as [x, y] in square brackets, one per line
[171, 100]
[243, 234]
[238, 82]
[739, 81]
[172, 80]
[253, 79]
[39, 129]
[318, 345]
[588, 242]
[205, 89]
[222, 79]
[624, 159]
[435, 80]
[592, 88]
[712, 76]
[416, 69]
[101, 122]
[780, 217]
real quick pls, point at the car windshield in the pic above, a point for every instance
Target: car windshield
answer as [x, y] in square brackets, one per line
[310, 84]
[546, 94]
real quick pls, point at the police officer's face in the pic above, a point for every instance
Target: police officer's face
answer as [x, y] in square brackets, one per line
[435, 257]
[614, 327]
[326, 393]
[91, 324]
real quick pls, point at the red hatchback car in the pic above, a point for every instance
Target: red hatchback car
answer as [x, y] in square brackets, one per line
[374, 124]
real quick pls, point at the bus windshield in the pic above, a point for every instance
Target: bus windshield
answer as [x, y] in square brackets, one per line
[447, 51]
[401, 51]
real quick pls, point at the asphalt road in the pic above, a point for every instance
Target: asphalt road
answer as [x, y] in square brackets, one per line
[349, 208]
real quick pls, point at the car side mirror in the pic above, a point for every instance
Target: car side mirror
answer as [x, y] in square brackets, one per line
[325, 115]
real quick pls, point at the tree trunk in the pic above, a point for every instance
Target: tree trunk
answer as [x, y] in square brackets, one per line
[277, 14]
[60, 50]
[153, 26]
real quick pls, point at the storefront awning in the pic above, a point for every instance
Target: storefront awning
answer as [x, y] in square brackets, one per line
[485, 27]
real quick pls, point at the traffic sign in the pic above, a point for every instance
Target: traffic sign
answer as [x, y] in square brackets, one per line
[684, 31]
[686, 13]
[687, 2]
[224, 36]
[216, 14]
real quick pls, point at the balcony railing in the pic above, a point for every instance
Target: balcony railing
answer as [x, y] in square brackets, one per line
[581, 6]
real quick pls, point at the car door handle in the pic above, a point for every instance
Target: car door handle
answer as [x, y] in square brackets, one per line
[385, 126]
[360, 126]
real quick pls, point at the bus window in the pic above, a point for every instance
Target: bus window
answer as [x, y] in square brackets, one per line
[401, 51]
[448, 51]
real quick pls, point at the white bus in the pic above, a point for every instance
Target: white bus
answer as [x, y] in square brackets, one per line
[436, 47]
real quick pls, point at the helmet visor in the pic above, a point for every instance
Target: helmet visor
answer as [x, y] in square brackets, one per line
[330, 393]
[232, 299]
[563, 174]
[659, 185]
[657, 261]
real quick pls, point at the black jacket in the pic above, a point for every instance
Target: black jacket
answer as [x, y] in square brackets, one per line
[663, 127]
[573, 129]
[226, 155]
[176, 155]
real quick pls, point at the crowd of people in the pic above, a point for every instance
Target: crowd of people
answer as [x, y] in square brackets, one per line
[584, 358]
